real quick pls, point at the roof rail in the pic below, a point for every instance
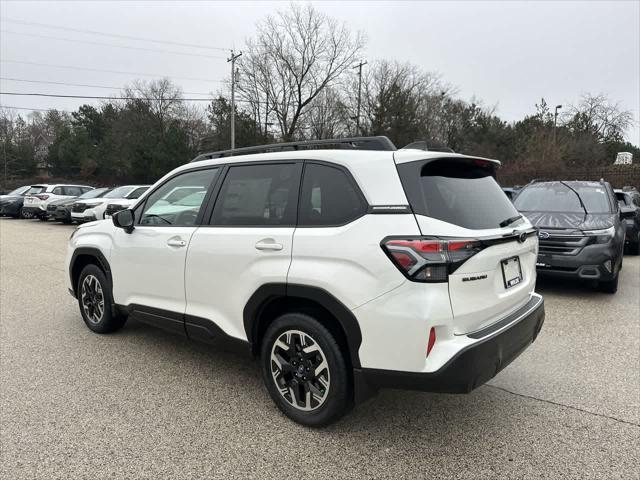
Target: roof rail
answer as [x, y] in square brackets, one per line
[353, 143]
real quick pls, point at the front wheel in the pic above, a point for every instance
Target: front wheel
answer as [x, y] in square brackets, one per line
[95, 300]
[305, 371]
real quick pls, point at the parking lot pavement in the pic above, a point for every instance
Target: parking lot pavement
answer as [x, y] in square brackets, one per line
[144, 404]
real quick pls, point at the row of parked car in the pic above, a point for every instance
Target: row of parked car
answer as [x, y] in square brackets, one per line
[68, 203]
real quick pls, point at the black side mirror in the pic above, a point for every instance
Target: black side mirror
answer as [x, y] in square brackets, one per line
[124, 219]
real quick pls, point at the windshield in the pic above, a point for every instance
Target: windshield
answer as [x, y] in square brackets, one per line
[557, 197]
[34, 190]
[119, 192]
[98, 192]
[19, 191]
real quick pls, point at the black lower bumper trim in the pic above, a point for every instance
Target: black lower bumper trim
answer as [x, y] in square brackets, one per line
[469, 369]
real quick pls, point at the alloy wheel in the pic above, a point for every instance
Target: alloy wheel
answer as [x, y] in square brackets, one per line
[300, 370]
[92, 299]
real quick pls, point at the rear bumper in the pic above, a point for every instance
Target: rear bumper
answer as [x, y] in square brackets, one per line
[472, 366]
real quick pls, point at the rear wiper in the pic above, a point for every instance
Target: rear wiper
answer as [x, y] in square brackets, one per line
[509, 221]
[579, 198]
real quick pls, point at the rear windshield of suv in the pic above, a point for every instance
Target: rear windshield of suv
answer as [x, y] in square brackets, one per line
[563, 197]
[457, 191]
[35, 189]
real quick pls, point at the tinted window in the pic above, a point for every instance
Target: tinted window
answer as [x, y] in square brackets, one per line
[558, 197]
[258, 195]
[183, 212]
[623, 200]
[58, 191]
[328, 197]
[86, 189]
[73, 191]
[18, 191]
[137, 192]
[458, 192]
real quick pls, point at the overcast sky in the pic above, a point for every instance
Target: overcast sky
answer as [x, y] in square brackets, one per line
[508, 54]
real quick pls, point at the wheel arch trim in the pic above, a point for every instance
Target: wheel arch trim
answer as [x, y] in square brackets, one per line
[270, 292]
[91, 252]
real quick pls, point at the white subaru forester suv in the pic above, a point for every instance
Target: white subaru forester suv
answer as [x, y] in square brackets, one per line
[343, 270]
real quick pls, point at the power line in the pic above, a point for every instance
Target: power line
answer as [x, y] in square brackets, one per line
[100, 97]
[114, 35]
[31, 109]
[72, 67]
[106, 97]
[24, 80]
[107, 44]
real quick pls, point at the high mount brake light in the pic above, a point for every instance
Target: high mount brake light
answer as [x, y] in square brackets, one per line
[428, 259]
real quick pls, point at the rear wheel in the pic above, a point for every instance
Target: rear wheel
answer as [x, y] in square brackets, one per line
[305, 371]
[26, 214]
[95, 300]
[43, 218]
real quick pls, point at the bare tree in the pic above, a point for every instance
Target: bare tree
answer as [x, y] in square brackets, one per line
[295, 55]
[163, 98]
[597, 115]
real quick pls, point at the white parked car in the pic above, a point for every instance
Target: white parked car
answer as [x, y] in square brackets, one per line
[35, 204]
[94, 209]
[343, 270]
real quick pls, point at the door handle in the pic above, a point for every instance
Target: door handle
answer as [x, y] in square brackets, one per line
[176, 242]
[268, 244]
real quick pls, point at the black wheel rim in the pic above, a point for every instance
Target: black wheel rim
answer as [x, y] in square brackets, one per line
[92, 299]
[300, 370]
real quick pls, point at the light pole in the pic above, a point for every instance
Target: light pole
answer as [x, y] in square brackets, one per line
[359, 67]
[555, 122]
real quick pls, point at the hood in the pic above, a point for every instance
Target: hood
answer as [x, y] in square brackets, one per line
[577, 221]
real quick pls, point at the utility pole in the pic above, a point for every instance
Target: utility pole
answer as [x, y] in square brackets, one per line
[359, 67]
[555, 121]
[233, 59]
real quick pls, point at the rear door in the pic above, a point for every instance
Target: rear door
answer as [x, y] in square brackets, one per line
[458, 198]
[247, 244]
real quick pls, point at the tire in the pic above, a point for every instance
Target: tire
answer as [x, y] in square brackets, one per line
[43, 218]
[610, 286]
[25, 214]
[332, 386]
[95, 300]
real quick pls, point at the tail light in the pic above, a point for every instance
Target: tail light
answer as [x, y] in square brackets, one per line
[42, 196]
[430, 259]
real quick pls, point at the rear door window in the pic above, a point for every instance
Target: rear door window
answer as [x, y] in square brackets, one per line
[329, 197]
[461, 192]
[73, 191]
[258, 195]
[58, 191]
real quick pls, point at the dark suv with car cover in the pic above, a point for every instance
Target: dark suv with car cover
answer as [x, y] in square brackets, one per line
[580, 229]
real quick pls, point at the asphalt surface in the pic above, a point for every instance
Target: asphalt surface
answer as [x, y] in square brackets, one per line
[144, 404]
